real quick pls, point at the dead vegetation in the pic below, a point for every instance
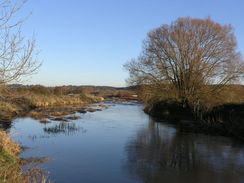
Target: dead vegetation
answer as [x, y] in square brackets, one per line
[24, 100]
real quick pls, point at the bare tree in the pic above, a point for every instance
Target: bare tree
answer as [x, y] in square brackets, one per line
[17, 55]
[194, 56]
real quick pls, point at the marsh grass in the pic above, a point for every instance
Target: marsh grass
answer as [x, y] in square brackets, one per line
[19, 103]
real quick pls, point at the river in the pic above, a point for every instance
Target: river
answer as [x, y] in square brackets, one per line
[122, 144]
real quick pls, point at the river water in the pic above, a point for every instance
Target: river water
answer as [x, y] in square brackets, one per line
[123, 145]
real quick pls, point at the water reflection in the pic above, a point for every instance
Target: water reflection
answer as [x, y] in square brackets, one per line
[36, 137]
[160, 153]
[66, 128]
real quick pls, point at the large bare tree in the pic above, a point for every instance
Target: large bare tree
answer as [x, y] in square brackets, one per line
[17, 54]
[192, 56]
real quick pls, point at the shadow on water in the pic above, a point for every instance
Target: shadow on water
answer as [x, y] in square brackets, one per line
[5, 125]
[160, 153]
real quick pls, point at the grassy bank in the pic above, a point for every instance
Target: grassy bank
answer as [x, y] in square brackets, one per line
[11, 165]
[21, 101]
[221, 114]
[39, 102]
[225, 119]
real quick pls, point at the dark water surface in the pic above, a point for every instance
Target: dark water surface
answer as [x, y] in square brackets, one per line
[123, 145]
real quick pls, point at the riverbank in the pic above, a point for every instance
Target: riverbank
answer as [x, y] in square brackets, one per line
[11, 165]
[45, 107]
[41, 102]
[225, 119]
[39, 105]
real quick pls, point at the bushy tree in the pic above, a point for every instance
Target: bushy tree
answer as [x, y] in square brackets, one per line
[195, 57]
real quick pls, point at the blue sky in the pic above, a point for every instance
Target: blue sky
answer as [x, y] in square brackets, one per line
[86, 42]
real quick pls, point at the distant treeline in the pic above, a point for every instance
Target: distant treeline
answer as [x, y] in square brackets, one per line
[102, 91]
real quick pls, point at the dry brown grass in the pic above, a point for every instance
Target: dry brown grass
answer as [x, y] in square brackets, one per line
[230, 94]
[10, 166]
[8, 145]
[15, 103]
